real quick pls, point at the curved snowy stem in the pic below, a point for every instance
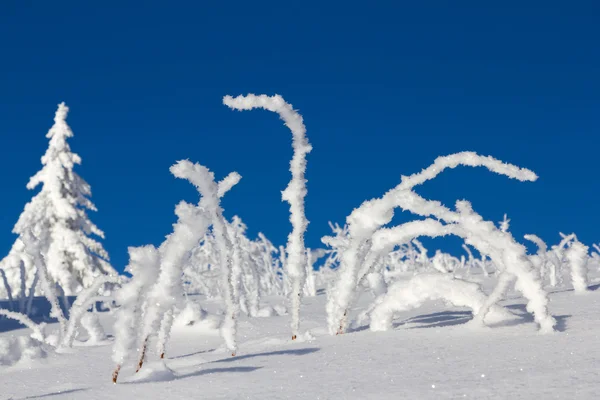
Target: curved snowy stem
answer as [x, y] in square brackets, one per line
[469, 159]
[84, 300]
[502, 286]
[38, 333]
[191, 226]
[383, 241]
[542, 246]
[406, 295]
[294, 193]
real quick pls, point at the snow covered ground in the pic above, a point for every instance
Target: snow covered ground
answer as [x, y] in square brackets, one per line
[432, 353]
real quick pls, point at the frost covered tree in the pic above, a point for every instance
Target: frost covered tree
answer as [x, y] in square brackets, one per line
[57, 218]
[148, 300]
[294, 193]
[368, 240]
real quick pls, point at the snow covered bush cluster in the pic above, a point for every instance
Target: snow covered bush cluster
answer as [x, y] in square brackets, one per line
[57, 254]
[260, 269]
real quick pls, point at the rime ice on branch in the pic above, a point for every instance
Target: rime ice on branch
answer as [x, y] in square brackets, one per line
[191, 226]
[406, 295]
[295, 192]
[165, 286]
[500, 246]
[577, 255]
[144, 264]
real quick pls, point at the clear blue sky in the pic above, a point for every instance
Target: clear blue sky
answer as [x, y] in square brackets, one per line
[384, 88]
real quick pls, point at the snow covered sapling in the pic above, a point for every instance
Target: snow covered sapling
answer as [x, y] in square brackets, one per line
[540, 259]
[312, 256]
[201, 272]
[508, 255]
[57, 217]
[210, 203]
[294, 194]
[269, 267]
[365, 221]
[191, 226]
[144, 264]
[78, 310]
[246, 299]
[577, 255]
[149, 297]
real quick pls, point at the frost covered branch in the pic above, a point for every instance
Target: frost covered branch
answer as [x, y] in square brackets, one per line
[364, 222]
[38, 331]
[294, 193]
[164, 279]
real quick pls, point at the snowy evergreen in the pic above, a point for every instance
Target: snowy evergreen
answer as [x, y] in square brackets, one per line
[57, 218]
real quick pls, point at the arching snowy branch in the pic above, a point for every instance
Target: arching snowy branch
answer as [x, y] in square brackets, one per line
[485, 236]
[294, 193]
[406, 295]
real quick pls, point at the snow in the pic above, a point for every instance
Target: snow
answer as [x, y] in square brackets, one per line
[431, 353]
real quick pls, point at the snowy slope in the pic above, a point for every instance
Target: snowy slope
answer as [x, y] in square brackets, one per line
[433, 353]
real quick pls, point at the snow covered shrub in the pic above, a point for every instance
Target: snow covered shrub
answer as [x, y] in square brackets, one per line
[312, 256]
[15, 349]
[269, 268]
[37, 329]
[78, 310]
[577, 255]
[144, 264]
[406, 295]
[368, 240]
[57, 218]
[294, 193]
[91, 323]
[148, 301]
[245, 275]
[189, 315]
[257, 272]
[201, 271]
[569, 254]
[472, 263]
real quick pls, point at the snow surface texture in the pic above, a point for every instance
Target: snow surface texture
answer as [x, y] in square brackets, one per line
[432, 352]
[294, 193]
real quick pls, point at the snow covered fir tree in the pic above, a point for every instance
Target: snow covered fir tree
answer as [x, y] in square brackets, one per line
[55, 226]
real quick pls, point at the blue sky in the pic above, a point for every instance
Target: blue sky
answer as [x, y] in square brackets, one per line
[384, 88]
